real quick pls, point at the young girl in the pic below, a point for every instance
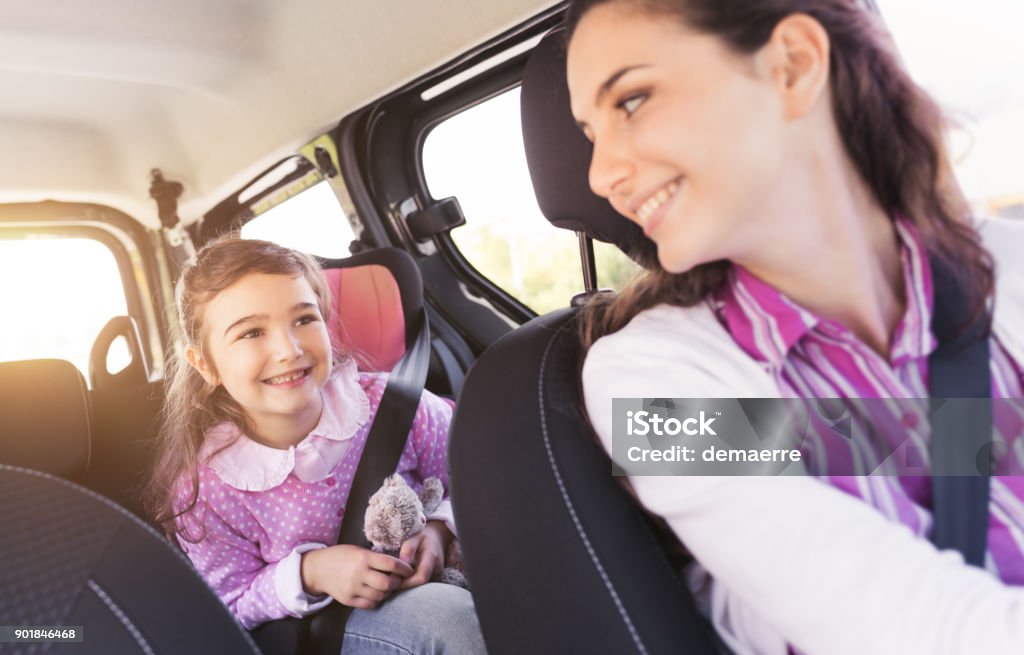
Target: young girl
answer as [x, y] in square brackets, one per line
[793, 179]
[263, 428]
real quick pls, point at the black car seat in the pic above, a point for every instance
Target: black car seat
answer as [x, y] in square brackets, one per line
[73, 558]
[45, 417]
[560, 557]
[126, 406]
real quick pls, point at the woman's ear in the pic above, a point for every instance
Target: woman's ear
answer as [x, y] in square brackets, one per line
[797, 55]
[202, 365]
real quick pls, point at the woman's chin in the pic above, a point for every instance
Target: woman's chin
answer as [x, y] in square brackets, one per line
[677, 262]
[688, 249]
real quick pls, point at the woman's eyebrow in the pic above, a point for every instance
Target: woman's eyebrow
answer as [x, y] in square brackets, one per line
[607, 85]
[612, 79]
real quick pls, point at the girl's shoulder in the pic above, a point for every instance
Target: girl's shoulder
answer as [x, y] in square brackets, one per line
[373, 382]
[671, 351]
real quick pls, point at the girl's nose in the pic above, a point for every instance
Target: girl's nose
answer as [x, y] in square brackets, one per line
[288, 346]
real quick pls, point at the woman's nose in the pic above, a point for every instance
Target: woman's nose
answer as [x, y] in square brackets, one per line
[609, 172]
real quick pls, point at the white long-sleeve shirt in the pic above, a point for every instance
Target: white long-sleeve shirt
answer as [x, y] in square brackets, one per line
[792, 560]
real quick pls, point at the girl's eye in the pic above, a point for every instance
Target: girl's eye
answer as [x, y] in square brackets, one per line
[631, 103]
[251, 334]
[306, 319]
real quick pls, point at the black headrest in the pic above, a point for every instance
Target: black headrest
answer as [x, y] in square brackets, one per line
[45, 417]
[558, 156]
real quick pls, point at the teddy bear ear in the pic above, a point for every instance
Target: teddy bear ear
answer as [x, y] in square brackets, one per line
[395, 480]
[432, 494]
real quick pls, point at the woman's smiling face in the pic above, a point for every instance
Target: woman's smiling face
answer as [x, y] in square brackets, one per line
[689, 137]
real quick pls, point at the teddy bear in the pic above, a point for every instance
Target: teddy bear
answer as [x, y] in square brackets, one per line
[395, 513]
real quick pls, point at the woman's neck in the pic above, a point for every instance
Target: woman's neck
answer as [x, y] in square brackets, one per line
[838, 252]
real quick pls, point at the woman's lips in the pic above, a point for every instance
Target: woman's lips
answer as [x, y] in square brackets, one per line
[652, 210]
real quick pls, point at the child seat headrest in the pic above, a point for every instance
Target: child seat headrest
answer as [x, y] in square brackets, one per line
[375, 295]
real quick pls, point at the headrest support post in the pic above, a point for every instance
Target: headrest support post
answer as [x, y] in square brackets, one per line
[588, 262]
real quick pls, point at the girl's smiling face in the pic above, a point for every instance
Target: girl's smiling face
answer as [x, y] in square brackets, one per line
[688, 135]
[267, 344]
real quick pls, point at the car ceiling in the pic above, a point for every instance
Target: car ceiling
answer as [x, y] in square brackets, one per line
[97, 93]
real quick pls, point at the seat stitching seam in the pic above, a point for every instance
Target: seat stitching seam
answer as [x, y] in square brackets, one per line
[568, 503]
[122, 617]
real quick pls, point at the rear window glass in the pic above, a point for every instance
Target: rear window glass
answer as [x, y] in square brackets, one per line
[478, 157]
[57, 294]
[311, 221]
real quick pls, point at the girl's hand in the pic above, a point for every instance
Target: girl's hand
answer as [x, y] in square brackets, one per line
[426, 550]
[352, 575]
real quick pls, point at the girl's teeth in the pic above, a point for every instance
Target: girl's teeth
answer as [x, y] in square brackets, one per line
[286, 378]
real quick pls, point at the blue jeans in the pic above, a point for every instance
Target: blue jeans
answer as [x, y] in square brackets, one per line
[431, 619]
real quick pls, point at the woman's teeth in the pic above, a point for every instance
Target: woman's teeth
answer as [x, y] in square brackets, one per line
[656, 200]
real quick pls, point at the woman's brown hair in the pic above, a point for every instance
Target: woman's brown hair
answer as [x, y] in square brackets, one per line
[891, 129]
[191, 406]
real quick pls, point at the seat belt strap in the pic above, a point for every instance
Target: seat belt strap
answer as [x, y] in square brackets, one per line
[388, 434]
[960, 388]
[379, 459]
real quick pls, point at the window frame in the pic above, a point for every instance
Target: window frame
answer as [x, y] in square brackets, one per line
[231, 213]
[112, 229]
[381, 148]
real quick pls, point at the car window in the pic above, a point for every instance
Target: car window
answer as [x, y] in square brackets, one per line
[311, 221]
[478, 157]
[945, 55]
[57, 295]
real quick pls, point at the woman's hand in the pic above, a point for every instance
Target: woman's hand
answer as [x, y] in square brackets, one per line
[352, 575]
[426, 550]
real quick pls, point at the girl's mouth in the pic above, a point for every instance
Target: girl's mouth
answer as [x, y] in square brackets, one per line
[289, 379]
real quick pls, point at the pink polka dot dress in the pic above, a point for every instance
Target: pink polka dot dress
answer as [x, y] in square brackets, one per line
[260, 508]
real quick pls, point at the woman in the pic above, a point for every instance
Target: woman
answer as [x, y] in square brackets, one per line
[794, 181]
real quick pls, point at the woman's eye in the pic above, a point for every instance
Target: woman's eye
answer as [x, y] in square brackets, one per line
[632, 103]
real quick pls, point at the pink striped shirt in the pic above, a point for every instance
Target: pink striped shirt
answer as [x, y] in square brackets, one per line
[813, 357]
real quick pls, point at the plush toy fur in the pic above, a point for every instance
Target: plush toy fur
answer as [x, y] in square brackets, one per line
[395, 513]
